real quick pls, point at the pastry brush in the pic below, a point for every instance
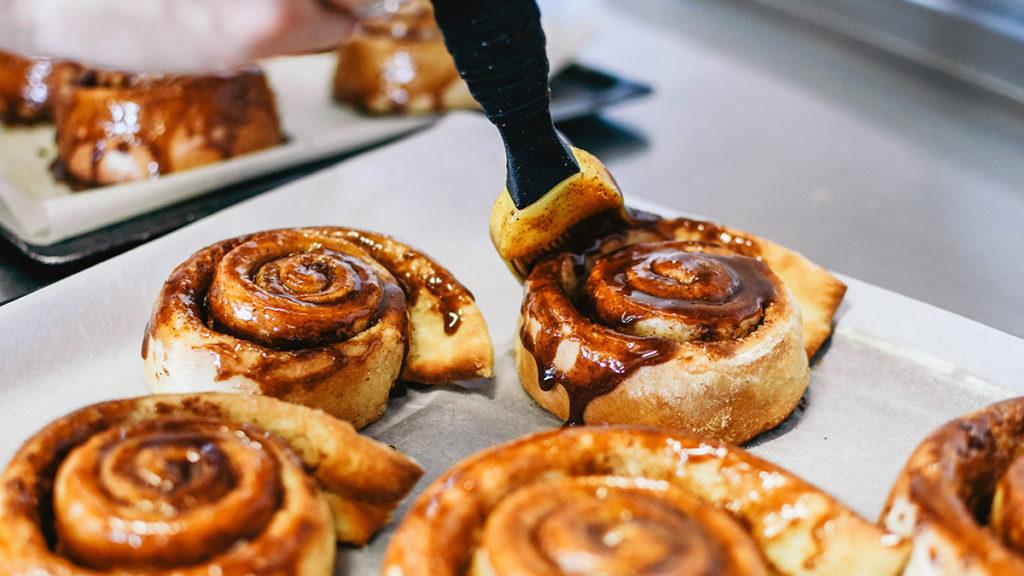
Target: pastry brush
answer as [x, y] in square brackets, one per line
[552, 191]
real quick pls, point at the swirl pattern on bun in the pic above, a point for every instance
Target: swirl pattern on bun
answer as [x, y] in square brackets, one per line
[30, 86]
[325, 317]
[114, 128]
[195, 485]
[960, 497]
[618, 500]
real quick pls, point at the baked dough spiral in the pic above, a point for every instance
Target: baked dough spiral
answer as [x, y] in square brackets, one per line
[398, 63]
[674, 323]
[619, 500]
[195, 485]
[325, 317]
[30, 86]
[114, 128]
[960, 497]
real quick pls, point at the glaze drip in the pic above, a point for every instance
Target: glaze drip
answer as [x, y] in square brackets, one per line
[299, 298]
[417, 272]
[631, 298]
[587, 359]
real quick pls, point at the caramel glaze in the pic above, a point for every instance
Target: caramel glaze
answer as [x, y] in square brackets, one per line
[713, 282]
[29, 87]
[607, 526]
[155, 473]
[399, 57]
[462, 510]
[703, 285]
[288, 291]
[188, 293]
[416, 272]
[155, 470]
[954, 474]
[606, 357]
[173, 122]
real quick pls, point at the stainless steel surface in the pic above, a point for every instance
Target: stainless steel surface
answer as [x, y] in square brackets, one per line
[980, 41]
[867, 164]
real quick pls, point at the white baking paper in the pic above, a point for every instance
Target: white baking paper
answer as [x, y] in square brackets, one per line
[895, 369]
[41, 210]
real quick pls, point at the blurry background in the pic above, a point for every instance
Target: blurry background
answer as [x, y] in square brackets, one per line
[882, 138]
[861, 157]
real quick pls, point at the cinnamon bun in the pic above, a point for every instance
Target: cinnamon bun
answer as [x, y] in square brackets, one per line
[678, 323]
[399, 64]
[619, 500]
[114, 128]
[325, 317]
[195, 485]
[959, 498]
[29, 87]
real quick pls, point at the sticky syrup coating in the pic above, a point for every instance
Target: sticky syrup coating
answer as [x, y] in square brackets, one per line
[325, 317]
[115, 128]
[959, 496]
[641, 326]
[398, 64]
[588, 500]
[195, 485]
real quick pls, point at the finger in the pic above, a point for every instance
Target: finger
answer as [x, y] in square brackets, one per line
[302, 27]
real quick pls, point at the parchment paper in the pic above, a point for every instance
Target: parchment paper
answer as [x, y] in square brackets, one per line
[895, 369]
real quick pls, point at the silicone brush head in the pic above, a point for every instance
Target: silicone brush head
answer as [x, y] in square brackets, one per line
[524, 236]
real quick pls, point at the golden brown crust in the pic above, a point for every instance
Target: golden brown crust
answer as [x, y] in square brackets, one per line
[114, 128]
[724, 406]
[947, 486]
[588, 500]
[197, 484]
[639, 327]
[818, 292]
[324, 317]
[30, 86]
[399, 64]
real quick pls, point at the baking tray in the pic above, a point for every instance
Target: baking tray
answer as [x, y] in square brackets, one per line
[894, 369]
[576, 92]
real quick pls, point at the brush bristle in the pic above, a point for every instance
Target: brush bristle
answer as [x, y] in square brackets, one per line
[523, 267]
[578, 237]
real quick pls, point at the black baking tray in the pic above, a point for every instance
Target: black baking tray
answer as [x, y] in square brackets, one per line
[576, 92]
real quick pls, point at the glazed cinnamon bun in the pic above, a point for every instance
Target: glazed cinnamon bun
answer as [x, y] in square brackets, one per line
[195, 485]
[618, 500]
[399, 64]
[959, 498]
[30, 86]
[325, 317]
[114, 128]
[675, 323]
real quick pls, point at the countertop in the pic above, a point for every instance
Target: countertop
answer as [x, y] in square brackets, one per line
[867, 164]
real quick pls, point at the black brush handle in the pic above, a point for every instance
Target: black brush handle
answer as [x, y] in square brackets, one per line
[499, 49]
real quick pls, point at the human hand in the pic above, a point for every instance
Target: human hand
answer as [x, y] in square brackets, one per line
[176, 36]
